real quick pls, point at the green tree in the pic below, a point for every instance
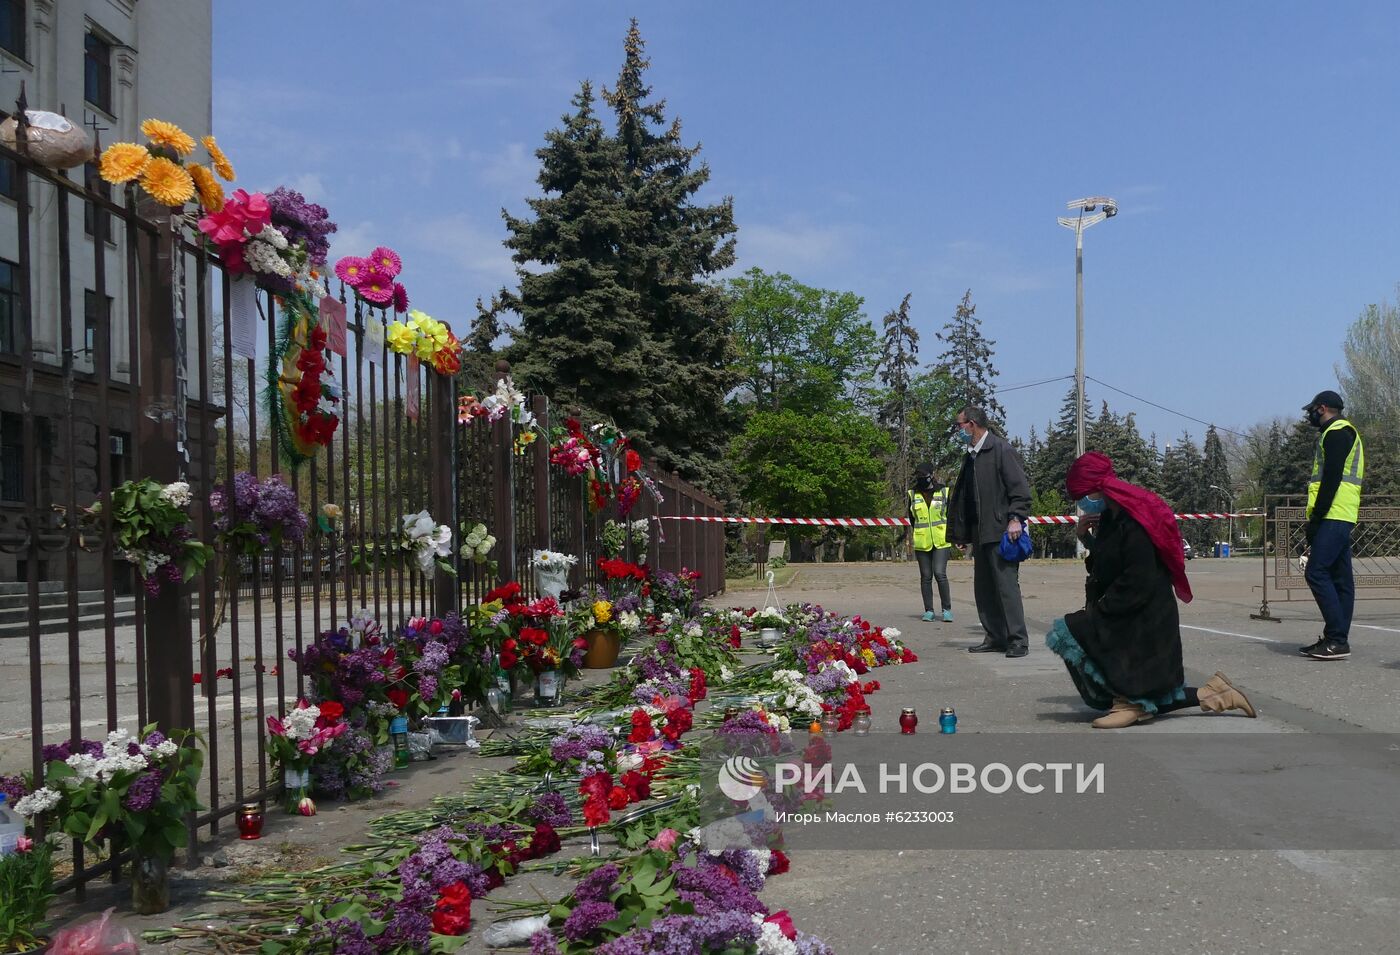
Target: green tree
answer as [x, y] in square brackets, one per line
[791, 464]
[898, 359]
[1215, 473]
[582, 338]
[933, 406]
[1053, 459]
[797, 346]
[968, 359]
[1184, 488]
[671, 248]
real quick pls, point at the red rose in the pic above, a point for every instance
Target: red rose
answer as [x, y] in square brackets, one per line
[435, 627]
[697, 685]
[872, 686]
[580, 643]
[331, 711]
[198, 678]
[638, 786]
[508, 659]
[909, 656]
[617, 798]
[398, 697]
[784, 923]
[778, 863]
[634, 461]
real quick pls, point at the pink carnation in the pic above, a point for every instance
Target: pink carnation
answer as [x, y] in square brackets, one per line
[386, 260]
[665, 840]
[400, 298]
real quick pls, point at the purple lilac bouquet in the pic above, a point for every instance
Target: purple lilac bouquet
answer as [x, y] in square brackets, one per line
[577, 742]
[302, 221]
[252, 516]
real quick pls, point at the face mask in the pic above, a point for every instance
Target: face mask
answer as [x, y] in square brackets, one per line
[963, 438]
[1314, 417]
[1091, 507]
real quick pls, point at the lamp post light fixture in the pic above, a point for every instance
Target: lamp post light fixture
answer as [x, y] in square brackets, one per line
[1092, 210]
[1231, 504]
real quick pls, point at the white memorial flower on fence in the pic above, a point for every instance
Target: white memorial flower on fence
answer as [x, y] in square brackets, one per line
[178, 493]
[477, 544]
[427, 539]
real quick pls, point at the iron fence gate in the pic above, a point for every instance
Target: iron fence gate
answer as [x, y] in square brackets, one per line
[159, 391]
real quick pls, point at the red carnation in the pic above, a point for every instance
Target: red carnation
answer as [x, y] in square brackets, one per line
[595, 812]
[638, 786]
[545, 841]
[697, 685]
[778, 863]
[453, 913]
[617, 798]
[330, 712]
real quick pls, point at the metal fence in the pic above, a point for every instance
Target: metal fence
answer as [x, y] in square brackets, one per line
[1375, 546]
[190, 406]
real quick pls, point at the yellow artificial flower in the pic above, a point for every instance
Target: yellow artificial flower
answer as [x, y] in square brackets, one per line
[123, 162]
[401, 337]
[217, 158]
[602, 611]
[869, 656]
[162, 133]
[211, 193]
[167, 182]
[433, 336]
[331, 511]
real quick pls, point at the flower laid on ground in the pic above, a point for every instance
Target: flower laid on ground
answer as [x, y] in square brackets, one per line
[149, 529]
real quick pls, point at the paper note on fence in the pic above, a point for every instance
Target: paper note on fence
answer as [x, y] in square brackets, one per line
[373, 342]
[333, 316]
[243, 317]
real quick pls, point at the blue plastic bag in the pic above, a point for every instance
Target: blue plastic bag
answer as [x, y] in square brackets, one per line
[1015, 550]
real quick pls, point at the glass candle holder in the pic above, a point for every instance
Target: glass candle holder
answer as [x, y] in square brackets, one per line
[831, 723]
[860, 726]
[947, 720]
[250, 821]
[908, 719]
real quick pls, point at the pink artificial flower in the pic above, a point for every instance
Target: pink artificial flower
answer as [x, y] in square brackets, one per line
[351, 270]
[223, 227]
[24, 844]
[256, 211]
[232, 257]
[400, 298]
[665, 840]
[376, 287]
[386, 260]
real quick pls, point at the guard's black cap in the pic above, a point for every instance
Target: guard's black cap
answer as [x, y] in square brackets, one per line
[1329, 398]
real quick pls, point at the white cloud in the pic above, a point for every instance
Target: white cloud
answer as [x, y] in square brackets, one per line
[466, 245]
[309, 184]
[794, 249]
[970, 263]
[357, 239]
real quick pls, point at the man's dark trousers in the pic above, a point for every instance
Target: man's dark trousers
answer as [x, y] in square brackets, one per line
[996, 586]
[1329, 577]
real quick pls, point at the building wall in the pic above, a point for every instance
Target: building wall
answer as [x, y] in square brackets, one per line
[160, 65]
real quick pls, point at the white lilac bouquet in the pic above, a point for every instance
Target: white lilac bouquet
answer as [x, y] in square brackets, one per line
[427, 540]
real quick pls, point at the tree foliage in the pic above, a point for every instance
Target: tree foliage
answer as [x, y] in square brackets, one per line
[968, 360]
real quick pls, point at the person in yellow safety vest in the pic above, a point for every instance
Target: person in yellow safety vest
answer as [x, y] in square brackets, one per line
[928, 519]
[1334, 506]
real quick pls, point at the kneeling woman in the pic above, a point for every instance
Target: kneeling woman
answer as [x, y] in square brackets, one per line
[1123, 650]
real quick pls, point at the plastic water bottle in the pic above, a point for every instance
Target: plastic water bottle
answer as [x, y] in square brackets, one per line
[11, 827]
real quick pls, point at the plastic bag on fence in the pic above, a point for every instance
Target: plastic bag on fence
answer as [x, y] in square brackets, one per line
[101, 936]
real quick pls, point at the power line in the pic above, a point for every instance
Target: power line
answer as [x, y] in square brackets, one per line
[1179, 414]
[1033, 384]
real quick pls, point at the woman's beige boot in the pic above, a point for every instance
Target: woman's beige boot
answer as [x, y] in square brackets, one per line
[1219, 695]
[1122, 715]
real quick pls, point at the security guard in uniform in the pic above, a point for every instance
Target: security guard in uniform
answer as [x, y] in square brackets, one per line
[1334, 505]
[928, 516]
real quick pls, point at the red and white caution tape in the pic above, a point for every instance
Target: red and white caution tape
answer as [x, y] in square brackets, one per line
[902, 521]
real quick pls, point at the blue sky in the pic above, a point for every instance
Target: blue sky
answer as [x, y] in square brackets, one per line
[901, 147]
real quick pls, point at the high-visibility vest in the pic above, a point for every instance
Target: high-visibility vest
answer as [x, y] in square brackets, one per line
[930, 520]
[1346, 505]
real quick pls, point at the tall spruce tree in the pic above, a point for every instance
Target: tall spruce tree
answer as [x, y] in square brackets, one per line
[671, 247]
[1183, 473]
[968, 360]
[899, 358]
[1215, 472]
[582, 339]
[1058, 452]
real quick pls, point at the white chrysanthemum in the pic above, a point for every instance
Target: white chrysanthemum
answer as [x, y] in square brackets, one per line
[177, 493]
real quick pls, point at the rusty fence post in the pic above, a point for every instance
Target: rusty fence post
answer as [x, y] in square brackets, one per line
[442, 487]
[539, 459]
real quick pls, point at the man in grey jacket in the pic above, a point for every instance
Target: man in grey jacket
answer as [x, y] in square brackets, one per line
[992, 497]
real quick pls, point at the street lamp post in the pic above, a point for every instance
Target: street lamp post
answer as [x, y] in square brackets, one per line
[1231, 504]
[1087, 217]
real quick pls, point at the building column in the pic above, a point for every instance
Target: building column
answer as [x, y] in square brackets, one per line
[44, 333]
[125, 103]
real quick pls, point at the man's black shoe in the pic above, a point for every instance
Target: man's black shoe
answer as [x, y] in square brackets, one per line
[1318, 644]
[1017, 651]
[1331, 651]
[986, 646]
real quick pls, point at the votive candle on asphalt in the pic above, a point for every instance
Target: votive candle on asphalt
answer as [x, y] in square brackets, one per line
[908, 719]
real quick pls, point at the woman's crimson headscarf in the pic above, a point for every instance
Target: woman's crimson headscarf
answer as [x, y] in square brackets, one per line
[1093, 472]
